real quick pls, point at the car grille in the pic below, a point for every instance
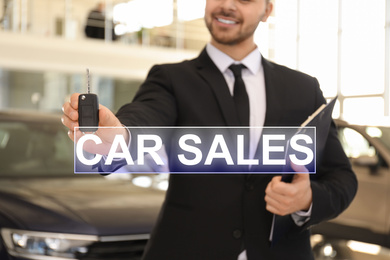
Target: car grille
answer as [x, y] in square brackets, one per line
[115, 250]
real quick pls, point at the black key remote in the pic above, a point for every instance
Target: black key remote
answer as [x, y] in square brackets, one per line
[88, 111]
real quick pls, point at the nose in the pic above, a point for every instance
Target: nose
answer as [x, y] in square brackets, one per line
[229, 4]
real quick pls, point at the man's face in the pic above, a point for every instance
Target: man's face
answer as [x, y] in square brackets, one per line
[233, 21]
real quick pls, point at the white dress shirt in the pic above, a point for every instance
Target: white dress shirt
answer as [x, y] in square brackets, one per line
[253, 77]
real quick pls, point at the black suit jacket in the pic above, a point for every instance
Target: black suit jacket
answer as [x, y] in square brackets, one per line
[216, 216]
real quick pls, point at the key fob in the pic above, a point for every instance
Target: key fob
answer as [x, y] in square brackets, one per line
[88, 113]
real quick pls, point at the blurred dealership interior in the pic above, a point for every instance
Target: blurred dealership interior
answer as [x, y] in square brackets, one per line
[44, 51]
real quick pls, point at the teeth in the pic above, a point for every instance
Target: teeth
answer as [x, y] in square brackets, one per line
[226, 21]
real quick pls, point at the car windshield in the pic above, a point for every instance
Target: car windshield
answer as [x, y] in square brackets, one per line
[31, 149]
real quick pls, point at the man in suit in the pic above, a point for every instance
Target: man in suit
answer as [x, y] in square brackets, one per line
[229, 216]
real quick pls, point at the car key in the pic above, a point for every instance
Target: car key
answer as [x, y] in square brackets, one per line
[88, 110]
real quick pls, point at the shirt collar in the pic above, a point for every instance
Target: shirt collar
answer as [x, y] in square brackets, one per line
[252, 61]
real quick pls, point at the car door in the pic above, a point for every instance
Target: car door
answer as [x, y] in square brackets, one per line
[367, 213]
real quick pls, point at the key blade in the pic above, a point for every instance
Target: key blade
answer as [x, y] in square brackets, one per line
[88, 85]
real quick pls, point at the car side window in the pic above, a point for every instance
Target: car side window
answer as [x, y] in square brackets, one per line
[354, 144]
[35, 149]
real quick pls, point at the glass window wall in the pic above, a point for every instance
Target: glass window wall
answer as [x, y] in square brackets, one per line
[340, 42]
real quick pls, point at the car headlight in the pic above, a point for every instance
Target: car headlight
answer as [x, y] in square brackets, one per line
[45, 245]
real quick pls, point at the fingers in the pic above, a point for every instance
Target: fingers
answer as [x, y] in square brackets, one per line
[74, 100]
[70, 124]
[70, 114]
[279, 187]
[278, 196]
[286, 198]
[71, 135]
[74, 137]
[70, 109]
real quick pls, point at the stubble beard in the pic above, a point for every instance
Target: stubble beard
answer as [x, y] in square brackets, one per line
[229, 40]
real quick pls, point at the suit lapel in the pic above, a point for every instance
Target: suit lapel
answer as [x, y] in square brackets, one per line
[274, 94]
[211, 74]
[273, 85]
[275, 99]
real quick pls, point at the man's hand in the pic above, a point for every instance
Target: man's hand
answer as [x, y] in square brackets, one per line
[106, 119]
[285, 198]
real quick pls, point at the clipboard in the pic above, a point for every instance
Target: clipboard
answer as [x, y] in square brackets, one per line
[321, 119]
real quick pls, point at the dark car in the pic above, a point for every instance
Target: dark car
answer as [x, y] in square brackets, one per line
[48, 212]
[365, 226]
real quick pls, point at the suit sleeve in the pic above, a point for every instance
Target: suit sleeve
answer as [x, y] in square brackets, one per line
[154, 104]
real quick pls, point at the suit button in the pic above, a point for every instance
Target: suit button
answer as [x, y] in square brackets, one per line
[237, 234]
[249, 186]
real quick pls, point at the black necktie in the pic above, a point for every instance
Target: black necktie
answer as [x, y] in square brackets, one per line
[241, 100]
[240, 95]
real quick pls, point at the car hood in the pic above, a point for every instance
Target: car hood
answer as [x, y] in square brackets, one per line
[82, 205]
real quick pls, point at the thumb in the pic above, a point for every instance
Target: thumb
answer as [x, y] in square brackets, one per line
[299, 168]
[301, 177]
[107, 118]
[302, 173]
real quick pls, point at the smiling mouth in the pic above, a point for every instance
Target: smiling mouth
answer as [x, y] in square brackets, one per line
[225, 21]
